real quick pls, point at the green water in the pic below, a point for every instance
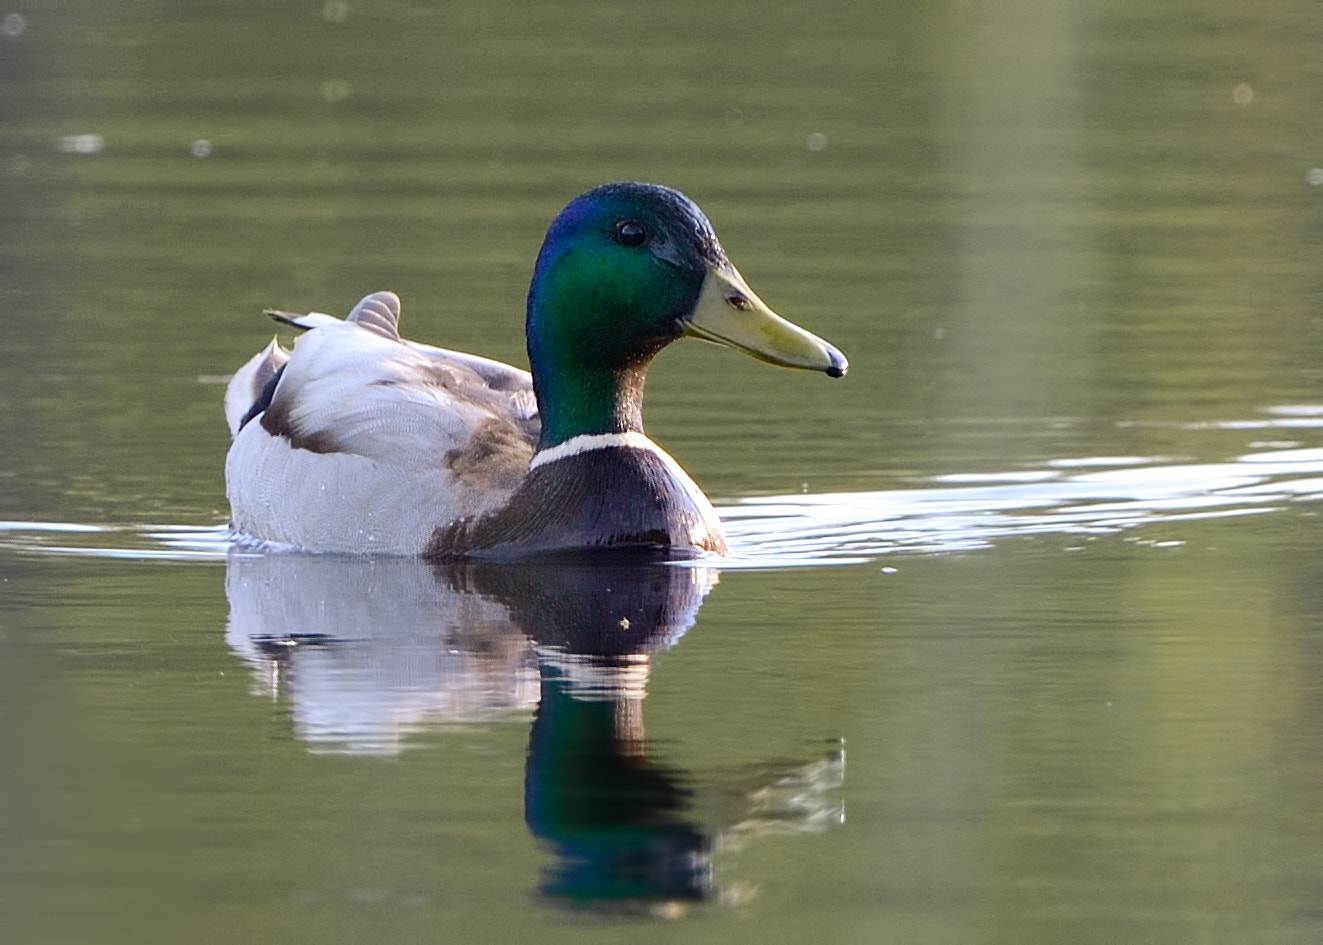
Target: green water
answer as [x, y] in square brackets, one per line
[1064, 246]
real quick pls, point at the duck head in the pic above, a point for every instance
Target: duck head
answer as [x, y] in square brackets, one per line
[625, 270]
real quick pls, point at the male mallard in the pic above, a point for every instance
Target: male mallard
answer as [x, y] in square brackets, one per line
[359, 441]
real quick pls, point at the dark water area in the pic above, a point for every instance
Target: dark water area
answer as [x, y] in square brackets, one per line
[1020, 638]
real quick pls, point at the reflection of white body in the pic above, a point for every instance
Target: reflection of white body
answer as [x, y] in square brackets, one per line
[368, 652]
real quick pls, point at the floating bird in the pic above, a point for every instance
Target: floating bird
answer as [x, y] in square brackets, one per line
[359, 441]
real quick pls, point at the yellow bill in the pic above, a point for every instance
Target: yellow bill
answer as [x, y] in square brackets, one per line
[729, 313]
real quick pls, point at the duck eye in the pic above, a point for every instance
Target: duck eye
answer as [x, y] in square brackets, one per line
[630, 233]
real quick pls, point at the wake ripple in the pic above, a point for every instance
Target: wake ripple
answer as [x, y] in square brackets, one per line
[958, 512]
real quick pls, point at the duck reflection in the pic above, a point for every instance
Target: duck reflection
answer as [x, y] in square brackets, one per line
[618, 821]
[369, 651]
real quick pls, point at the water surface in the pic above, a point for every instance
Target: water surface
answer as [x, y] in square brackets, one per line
[1021, 636]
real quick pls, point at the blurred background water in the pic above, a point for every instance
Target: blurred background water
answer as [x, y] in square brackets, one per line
[1061, 680]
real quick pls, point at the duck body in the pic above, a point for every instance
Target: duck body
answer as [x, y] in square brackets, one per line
[364, 442]
[359, 441]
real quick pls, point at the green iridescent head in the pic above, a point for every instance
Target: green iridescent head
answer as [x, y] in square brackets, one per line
[625, 270]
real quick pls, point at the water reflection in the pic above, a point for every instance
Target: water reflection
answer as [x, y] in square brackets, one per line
[619, 821]
[370, 651]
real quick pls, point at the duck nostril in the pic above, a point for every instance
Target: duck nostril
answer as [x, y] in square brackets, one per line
[737, 302]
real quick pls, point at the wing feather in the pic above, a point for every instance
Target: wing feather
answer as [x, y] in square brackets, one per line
[363, 424]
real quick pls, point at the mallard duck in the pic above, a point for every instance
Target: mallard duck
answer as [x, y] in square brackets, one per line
[359, 441]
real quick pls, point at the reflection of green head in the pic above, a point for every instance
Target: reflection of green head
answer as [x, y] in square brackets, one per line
[617, 278]
[615, 819]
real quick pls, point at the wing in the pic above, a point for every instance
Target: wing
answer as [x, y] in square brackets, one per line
[354, 386]
[357, 422]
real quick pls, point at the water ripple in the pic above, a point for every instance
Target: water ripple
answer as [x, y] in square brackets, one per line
[963, 512]
[954, 512]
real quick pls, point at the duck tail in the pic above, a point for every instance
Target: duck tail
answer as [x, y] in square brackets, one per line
[253, 383]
